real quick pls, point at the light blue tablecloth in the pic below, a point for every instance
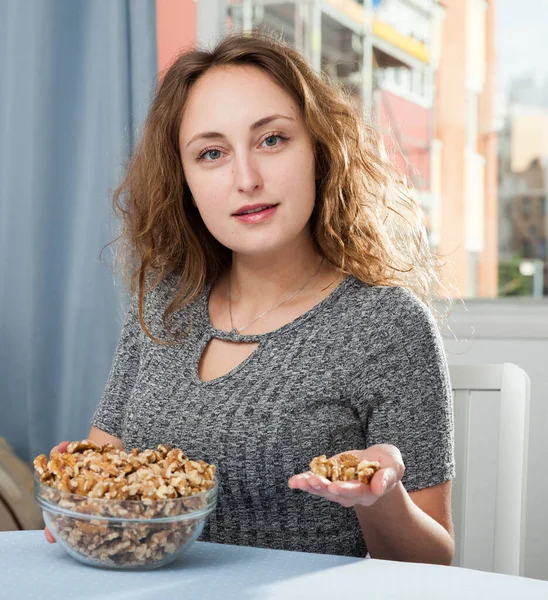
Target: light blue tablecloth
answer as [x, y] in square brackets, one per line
[32, 569]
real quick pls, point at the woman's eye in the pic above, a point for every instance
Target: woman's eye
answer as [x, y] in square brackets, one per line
[212, 154]
[272, 140]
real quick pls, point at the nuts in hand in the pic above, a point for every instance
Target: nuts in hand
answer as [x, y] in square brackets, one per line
[346, 467]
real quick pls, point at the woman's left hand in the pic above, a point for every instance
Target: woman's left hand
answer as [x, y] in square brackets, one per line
[350, 493]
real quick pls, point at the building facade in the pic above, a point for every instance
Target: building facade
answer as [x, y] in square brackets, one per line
[465, 156]
[421, 70]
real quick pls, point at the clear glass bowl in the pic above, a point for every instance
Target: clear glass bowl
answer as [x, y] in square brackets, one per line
[124, 534]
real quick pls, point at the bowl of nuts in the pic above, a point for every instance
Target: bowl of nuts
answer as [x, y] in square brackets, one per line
[113, 509]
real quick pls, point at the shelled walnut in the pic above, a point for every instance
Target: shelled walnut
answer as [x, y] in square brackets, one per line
[346, 467]
[103, 484]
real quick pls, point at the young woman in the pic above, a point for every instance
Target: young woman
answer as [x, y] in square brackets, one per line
[281, 282]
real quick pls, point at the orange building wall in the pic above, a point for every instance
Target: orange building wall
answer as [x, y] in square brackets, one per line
[487, 145]
[451, 130]
[175, 29]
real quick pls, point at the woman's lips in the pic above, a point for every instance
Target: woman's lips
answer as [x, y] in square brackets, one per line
[257, 217]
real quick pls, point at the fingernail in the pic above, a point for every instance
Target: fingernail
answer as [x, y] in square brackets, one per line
[315, 486]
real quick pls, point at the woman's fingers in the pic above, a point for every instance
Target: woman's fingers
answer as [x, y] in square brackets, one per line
[349, 493]
[383, 481]
[345, 493]
[61, 447]
[350, 489]
[308, 482]
[317, 483]
[49, 537]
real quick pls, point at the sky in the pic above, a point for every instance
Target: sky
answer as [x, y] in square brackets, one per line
[521, 39]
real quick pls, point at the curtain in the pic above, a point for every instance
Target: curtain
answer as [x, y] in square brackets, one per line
[76, 80]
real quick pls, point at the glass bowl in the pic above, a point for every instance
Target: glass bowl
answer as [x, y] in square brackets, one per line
[124, 534]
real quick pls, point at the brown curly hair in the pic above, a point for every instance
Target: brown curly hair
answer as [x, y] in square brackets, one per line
[364, 222]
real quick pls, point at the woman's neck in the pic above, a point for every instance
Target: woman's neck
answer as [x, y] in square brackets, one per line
[262, 280]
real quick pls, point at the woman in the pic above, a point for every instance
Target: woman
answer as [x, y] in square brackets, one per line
[280, 283]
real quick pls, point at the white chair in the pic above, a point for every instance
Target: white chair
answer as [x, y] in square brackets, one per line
[511, 469]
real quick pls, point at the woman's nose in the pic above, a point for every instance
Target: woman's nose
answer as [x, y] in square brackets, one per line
[247, 177]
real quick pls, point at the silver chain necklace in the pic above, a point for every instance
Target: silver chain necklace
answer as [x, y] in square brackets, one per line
[237, 331]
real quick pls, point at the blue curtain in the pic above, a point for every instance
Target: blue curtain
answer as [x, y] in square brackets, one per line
[76, 80]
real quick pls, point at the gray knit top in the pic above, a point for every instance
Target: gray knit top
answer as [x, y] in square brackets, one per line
[365, 366]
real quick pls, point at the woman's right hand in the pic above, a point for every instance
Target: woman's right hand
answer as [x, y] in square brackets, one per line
[62, 447]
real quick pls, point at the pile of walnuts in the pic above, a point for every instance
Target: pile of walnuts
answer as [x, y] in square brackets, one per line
[346, 467]
[105, 484]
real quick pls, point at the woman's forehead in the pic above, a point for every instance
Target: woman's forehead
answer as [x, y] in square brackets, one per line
[235, 94]
[231, 77]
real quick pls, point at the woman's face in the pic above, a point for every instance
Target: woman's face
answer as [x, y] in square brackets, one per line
[245, 147]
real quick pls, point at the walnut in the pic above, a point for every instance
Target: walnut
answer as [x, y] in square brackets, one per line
[346, 467]
[321, 466]
[41, 466]
[83, 445]
[366, 470]
[146, 485]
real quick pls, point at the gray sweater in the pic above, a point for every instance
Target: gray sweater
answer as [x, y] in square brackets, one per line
[365, 366]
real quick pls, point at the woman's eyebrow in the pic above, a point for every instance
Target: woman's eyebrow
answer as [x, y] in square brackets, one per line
[260, 123]
[267, 120]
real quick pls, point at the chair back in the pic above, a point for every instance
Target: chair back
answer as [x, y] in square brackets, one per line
[513, 386]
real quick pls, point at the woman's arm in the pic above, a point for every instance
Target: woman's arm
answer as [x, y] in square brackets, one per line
[412, 527]
[396, 525]
[102, 437]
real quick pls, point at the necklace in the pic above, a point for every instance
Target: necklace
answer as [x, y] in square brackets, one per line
[237, 331]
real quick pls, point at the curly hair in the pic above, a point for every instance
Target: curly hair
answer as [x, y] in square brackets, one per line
[365, 222]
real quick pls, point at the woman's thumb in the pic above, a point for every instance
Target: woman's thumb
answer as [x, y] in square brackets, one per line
[61, 447]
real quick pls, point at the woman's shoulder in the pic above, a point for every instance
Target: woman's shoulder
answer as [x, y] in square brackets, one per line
[389, 306]
[395, 320]
[388, 296]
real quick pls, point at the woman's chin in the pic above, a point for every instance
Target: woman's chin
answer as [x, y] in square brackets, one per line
[257, 252]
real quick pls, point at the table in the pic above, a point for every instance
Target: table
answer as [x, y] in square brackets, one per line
[31, 568]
